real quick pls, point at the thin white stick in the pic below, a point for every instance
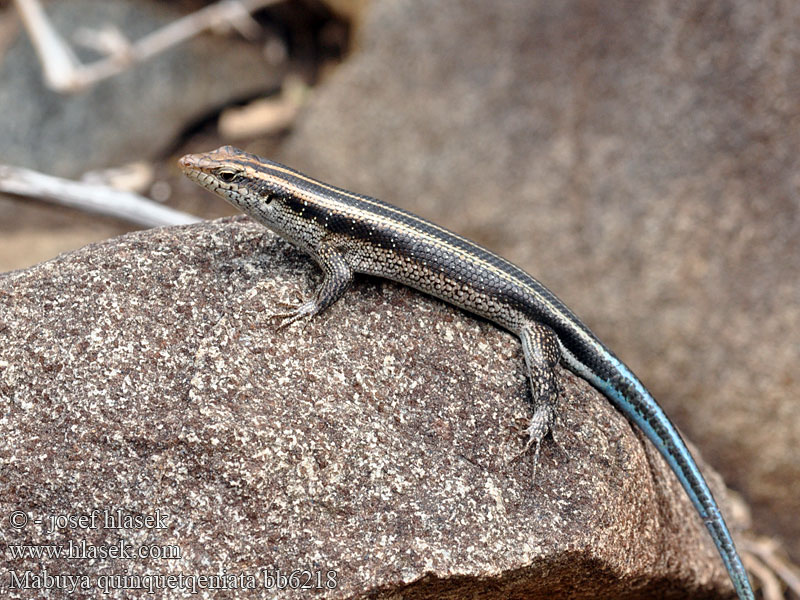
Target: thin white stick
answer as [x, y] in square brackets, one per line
[64, 73]
[56, 57]
[94, 198]
[770, 554]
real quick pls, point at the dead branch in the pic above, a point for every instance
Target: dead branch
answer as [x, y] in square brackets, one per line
[94, 198]
[64, 73]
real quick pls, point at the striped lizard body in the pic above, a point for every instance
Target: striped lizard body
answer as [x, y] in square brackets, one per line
[347, 233]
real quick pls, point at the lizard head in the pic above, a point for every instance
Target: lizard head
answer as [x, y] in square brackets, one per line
[281, 198]
[235, 175]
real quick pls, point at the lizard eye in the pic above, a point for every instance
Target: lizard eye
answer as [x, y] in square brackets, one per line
[226, 176]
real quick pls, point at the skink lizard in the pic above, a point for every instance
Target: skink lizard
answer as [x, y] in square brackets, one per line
[347, 233]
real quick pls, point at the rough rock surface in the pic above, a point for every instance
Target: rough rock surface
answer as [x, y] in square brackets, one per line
[145, 375]
[638, 157]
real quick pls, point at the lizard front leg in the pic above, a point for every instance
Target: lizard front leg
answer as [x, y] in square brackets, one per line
[337, 277]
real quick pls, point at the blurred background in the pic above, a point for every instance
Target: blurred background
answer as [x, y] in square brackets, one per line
[640, 158]
[243, 82]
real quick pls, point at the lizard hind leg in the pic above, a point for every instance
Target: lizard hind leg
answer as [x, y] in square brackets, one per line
[542, 352]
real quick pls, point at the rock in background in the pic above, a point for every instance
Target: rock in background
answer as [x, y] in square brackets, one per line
[638, 157]
[132, 116]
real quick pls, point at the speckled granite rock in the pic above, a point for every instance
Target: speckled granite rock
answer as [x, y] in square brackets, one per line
[144, 374]
[640, 158]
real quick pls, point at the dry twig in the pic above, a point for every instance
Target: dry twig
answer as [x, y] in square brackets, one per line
[95, 198]
[768, 563]
[64, 73]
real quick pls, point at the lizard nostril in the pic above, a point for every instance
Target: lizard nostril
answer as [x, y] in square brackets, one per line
[187, 161]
